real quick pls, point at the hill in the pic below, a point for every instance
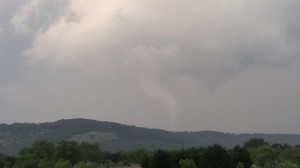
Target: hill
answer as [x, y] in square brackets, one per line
[114, 137]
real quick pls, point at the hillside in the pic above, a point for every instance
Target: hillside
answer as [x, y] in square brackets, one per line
[114, 137]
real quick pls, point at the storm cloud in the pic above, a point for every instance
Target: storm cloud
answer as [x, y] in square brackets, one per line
[229, 66]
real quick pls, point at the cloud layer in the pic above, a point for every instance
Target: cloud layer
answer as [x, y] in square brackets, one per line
[179, 65]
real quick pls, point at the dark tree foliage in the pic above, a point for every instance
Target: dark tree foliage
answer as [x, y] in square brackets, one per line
[197, 155]
[113, 157]
[43, 154]
[292, 155]
[27, 160]
[187, 163]
[6, 161]
[162, 159]
[181, 155]
[46, 163]
[255, 143]
[29, 157]
[68, 150]
[216, 157]
[70, 154]
[134, 156]
[194, 154]
[267, 157]
[63, 164]
[146, 161]
[280, 147]
[89, 152]
[241, 155]
[42, 149]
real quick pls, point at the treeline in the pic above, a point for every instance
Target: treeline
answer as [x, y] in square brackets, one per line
[70, 154]
[255, 153]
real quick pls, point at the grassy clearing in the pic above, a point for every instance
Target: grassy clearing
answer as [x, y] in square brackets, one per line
[94, 137]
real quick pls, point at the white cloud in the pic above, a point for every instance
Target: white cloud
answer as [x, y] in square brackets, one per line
[78, 34]
[212, 34]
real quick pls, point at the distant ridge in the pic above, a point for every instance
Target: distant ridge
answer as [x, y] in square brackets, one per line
[114, 136]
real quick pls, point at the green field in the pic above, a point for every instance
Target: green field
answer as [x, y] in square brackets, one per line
[94, 137]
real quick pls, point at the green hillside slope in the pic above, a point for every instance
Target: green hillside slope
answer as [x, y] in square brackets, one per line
[114, 137]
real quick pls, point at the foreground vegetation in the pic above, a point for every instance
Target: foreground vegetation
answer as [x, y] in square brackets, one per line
[255, 153]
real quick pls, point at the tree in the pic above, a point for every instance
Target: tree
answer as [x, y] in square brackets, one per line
[115, 157]
[6, 161]
[45, 164]
[216, 157]
[255, 143]
[68, 150]
[27, 160]
[187, 163]
[192, 153]
[30, 157]
[162, 159]
[43, 149]
[2, 160]
[182, 154]
[146, 161]
[134, 156]
[89, 152]
[291, 155]
[240, 165]
[241, 155]
[197, 155]
[63, 164]
[86, 165]
[266, 156]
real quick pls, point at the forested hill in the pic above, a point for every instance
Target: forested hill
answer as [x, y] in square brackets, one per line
[114, 137]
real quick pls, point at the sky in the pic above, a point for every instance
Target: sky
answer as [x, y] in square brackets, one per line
[230, 66]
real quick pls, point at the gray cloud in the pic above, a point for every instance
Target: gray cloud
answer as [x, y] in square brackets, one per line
[179, 65]
[36, 14]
